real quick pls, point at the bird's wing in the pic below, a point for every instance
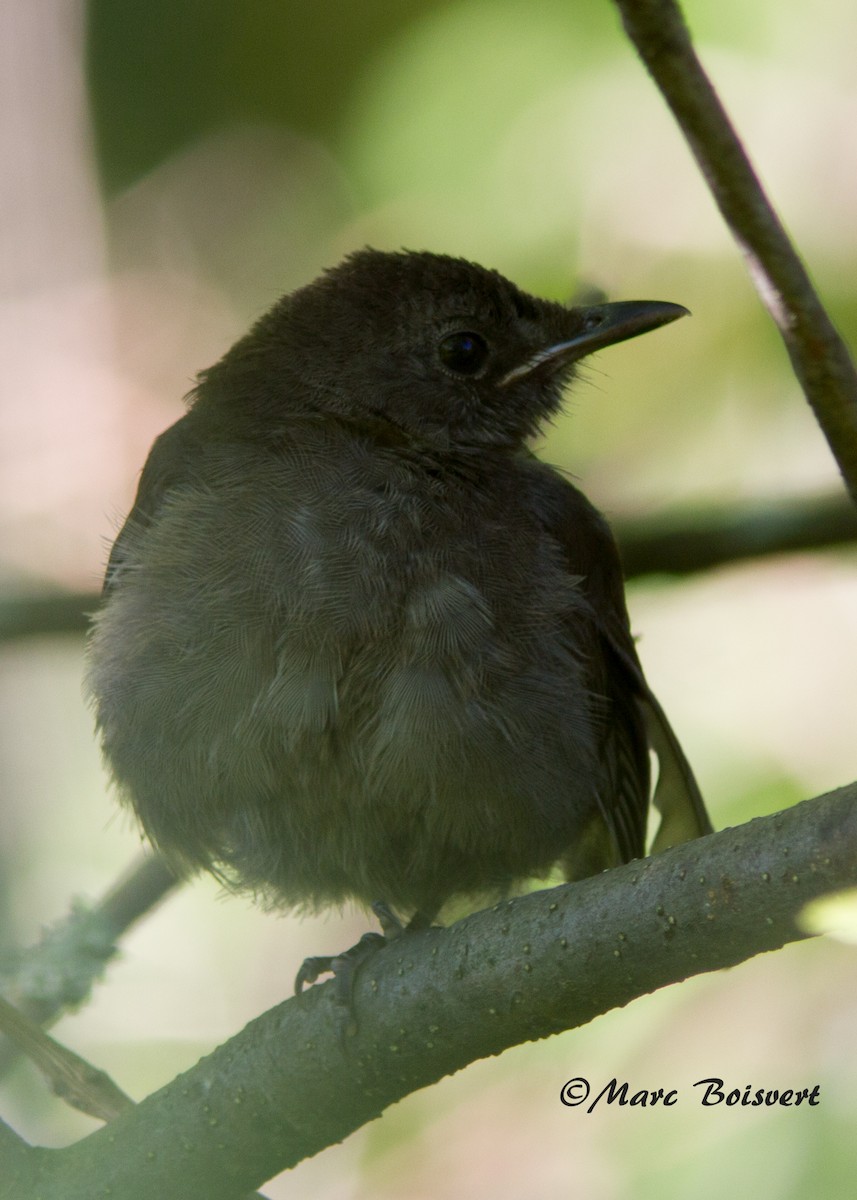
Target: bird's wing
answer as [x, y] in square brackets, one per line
[164, 468]
[636, 720]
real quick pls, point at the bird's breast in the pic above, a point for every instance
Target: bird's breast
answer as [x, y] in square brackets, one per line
[337, 634]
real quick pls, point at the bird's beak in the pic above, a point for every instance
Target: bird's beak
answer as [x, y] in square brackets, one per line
[600, 325]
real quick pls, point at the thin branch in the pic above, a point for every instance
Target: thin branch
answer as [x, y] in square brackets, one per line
[685, 544]
[292, 1082]
[57, 974]
[819, 357]
[146, 882]
[34, 614]
[71, 1077]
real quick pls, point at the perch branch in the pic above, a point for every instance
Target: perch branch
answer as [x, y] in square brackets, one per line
[292, 1083]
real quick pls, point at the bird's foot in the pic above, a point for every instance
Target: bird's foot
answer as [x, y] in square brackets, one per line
[346, 965]
[343, 966]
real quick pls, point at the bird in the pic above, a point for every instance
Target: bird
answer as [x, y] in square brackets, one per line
[357, 642]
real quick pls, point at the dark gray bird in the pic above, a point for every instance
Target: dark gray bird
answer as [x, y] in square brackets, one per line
[356, 640]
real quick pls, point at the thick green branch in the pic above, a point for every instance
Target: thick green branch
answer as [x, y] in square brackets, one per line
[292, 1082]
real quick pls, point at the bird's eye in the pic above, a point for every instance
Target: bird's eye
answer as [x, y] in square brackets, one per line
[464, 352]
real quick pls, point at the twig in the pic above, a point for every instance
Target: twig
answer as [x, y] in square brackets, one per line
[819, 357]
[143, 886]
[687, 543]
[71, 1077]
[34, 613]
[57, 974]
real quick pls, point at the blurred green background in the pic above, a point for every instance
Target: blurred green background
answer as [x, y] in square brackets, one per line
[171, 168]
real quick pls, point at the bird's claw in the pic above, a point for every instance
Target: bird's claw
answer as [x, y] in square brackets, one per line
[344, 966]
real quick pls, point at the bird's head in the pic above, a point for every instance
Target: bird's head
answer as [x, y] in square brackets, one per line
[439, 347]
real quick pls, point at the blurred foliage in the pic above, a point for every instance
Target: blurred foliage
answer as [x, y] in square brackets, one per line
[163, 74]
[241, 148]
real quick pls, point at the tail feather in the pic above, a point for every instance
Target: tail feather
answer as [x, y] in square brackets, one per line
[677, 796]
